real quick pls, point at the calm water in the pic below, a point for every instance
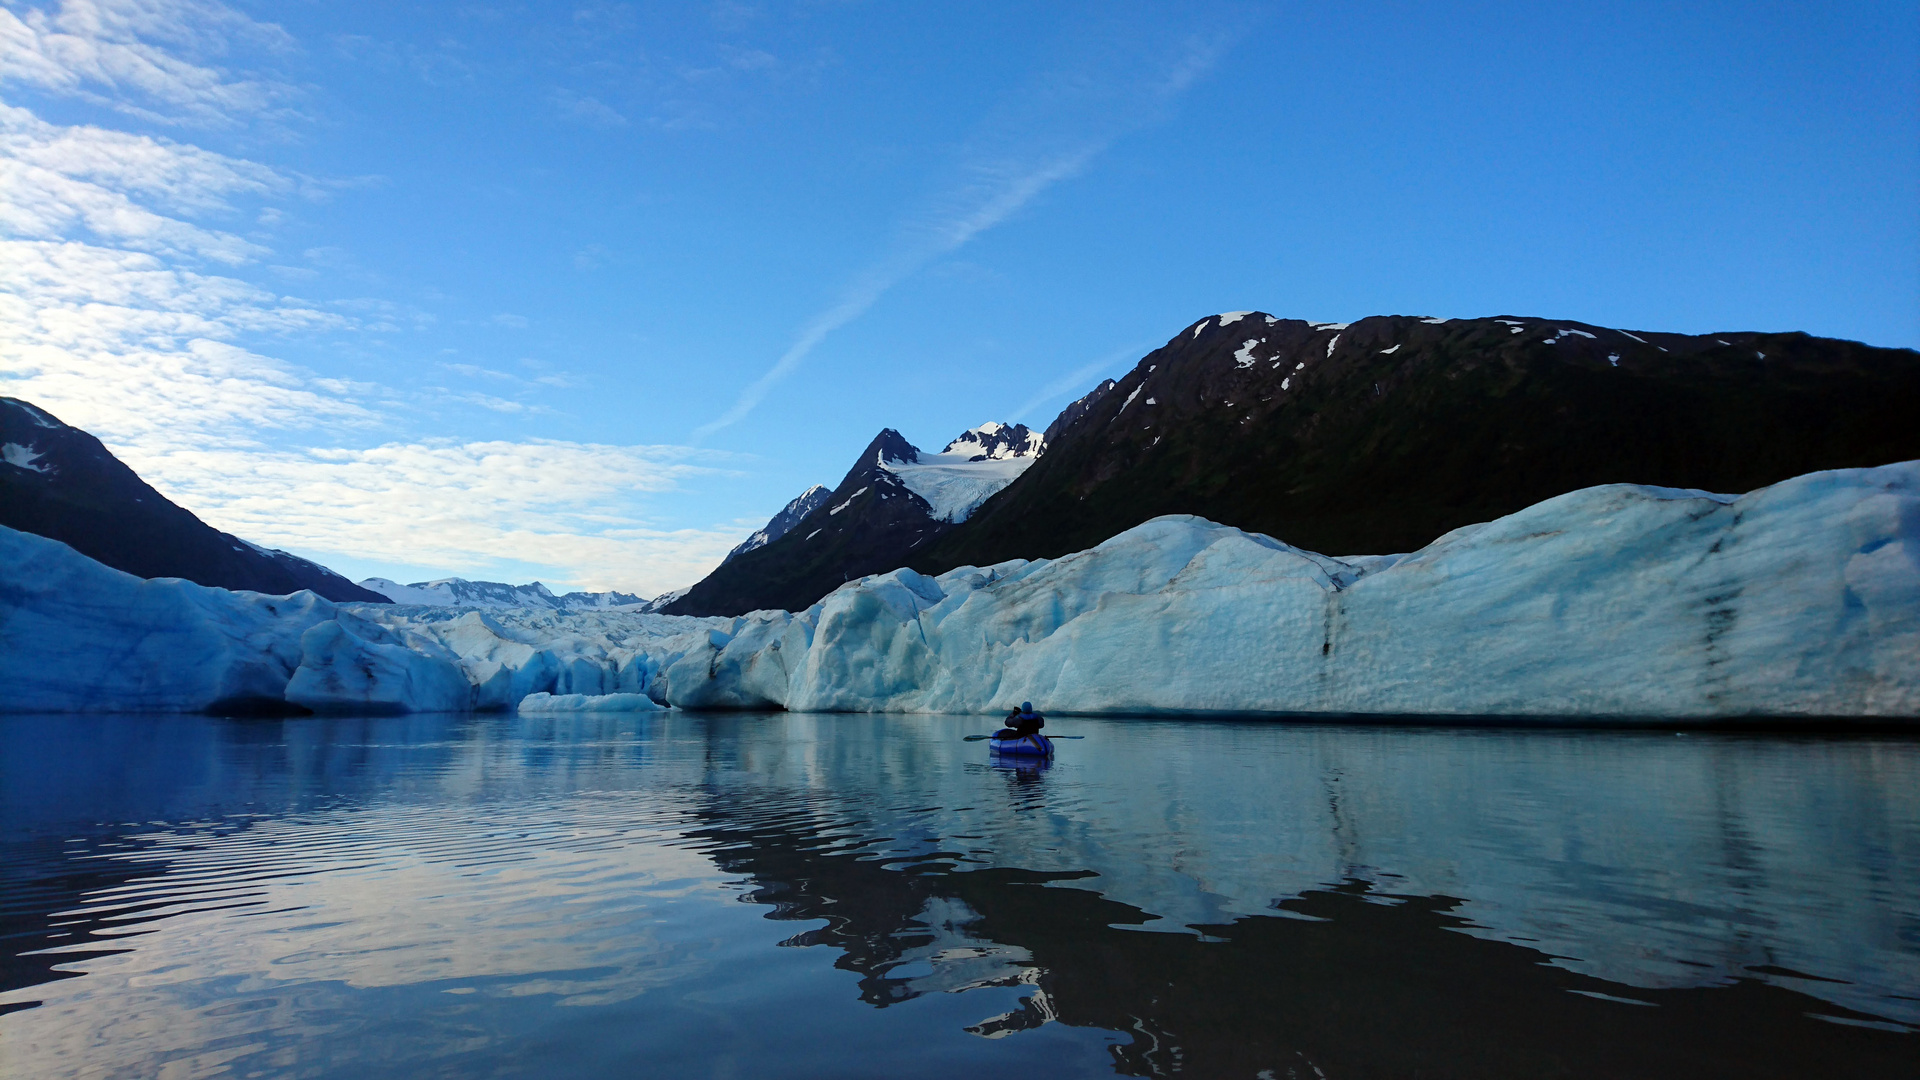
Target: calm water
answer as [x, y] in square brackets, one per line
[792, 895]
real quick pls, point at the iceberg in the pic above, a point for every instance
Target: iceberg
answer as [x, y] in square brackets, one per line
[543, 703]
[1799, 599]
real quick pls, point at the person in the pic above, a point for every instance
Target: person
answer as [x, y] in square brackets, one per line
[1022, 721]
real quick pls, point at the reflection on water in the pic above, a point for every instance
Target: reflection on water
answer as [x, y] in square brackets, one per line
[796, 895]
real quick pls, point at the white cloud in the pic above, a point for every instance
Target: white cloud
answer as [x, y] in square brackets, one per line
[109, 319]
[122, 344]
[143, 57]
[55, 180]
[466, 506]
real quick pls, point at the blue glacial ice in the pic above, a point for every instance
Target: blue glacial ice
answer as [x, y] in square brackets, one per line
[1802, 598]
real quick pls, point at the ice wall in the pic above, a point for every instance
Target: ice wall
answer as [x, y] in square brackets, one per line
[1798, 599]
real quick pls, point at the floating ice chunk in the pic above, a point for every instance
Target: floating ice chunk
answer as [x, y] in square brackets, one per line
[1228, 318]
[848, 503]
[542, 704]
[1244, 356]
[24, 457]
[1390, 352]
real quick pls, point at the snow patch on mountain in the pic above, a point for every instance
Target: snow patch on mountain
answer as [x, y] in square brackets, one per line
[23, 457]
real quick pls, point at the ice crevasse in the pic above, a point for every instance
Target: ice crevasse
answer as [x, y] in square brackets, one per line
[1802, 598]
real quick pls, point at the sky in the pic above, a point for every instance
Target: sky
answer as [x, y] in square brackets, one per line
[585, 293]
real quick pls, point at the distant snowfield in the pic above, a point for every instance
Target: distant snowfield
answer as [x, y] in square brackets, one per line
[1800, 599]
[954, 486]
[461, 593]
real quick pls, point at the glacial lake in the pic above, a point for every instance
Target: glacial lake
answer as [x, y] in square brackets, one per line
[684, 895]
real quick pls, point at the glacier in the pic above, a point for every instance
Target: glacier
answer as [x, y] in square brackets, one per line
[1799, 599]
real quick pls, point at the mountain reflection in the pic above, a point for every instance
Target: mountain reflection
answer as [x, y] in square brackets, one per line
[418, 895]
[1340, 982]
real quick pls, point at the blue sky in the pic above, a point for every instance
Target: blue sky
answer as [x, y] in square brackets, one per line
[586, 292]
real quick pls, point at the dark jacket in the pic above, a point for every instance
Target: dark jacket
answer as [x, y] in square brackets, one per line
[1025, 723]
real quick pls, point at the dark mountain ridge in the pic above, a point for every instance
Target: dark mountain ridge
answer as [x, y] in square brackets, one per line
[59, 482]
[783, 522]
[1379, 436]
[889, 504]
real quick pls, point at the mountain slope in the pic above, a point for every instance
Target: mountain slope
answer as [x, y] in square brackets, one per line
[783, 522]
[893, 500]
[61, 483]
[1379, 436]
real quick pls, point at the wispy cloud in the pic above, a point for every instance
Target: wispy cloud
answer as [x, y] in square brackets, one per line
[1066, 123]
[586, 109]
[55, 181]
[147, 58]
[1078, 379]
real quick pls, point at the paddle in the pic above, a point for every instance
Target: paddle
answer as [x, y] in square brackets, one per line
[977, 738]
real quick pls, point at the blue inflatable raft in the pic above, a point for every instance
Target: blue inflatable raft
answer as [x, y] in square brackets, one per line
[1035, 745]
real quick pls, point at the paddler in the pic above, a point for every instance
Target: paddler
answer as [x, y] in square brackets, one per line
[1022, 721]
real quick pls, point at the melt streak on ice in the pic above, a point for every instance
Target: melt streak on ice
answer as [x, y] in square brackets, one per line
[1802, 598]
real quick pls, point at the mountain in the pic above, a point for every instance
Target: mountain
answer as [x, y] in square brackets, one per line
[459, 592]
[783, 522]
[894, 499]
[61, 483]
[1380, 436]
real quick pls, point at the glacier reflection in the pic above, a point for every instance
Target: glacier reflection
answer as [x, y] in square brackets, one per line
[215, 896]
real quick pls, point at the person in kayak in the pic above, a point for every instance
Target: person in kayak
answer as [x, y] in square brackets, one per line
[1022, 721]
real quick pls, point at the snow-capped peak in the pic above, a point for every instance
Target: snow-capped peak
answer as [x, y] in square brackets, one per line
[994, 440]
[971, 469]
